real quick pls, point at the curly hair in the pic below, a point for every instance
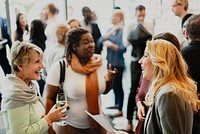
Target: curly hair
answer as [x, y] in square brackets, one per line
[72, 41]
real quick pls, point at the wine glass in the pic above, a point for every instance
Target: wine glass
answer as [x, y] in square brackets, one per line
[61, 100]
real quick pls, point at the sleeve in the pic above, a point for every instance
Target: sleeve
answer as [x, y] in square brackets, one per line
[19, 123]
[171, 113]
[102, 72]
[122, 48]
[53, 75]
[126, 31]
[6, 33]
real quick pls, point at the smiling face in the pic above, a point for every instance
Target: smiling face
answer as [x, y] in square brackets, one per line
[147, 66]
[86, 47]
[140, 15]
[22, 20]
[31, 70]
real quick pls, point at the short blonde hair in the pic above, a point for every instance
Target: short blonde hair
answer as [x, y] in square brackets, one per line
[119, 13]
[183, 2]
[21, 54]
[61, 31]
[170, 67]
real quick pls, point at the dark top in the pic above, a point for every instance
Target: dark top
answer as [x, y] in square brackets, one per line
[191, 54]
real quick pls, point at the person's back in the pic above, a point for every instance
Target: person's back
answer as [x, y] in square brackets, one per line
[37, 35]
[92, 27]
[191, 55]
[52, 23]
[136, 34]
[5, 39]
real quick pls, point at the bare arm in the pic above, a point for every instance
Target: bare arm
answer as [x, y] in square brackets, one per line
[51, 97]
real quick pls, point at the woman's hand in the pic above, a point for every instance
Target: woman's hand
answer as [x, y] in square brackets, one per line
[141, 111]
[111, 74]
[56, 114]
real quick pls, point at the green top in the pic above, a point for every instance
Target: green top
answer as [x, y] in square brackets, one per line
[26, 119]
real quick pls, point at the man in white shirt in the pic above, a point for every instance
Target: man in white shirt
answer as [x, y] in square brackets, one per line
[180, 9]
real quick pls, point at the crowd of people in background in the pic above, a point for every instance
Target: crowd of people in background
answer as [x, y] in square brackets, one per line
[165, 73]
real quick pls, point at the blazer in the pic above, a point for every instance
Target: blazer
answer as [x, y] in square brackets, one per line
[169, 114]
[96, 35]
[191, 54]
[4, 61]
[4, 30]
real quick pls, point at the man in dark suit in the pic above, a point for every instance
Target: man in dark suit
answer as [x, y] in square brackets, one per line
[92, 27]
[191, 54]
[5, 39]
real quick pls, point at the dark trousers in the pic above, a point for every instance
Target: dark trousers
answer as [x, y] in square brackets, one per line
[135, 78]
[118, 89]
[5, 65]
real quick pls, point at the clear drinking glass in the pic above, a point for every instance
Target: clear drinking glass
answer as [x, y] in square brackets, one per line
[61, 100]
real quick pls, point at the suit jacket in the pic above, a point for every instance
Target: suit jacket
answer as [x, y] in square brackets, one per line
[191, 54]
[169, 114]
[4, 30]
[4, 61]
[96, 35]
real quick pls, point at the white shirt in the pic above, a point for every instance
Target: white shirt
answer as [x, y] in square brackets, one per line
[53, 54]
[75, 88]
[50, 32]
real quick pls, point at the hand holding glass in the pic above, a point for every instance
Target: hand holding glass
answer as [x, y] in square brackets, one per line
[61, 100]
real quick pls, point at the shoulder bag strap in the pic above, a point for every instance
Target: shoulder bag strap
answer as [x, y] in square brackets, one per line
[62, 73]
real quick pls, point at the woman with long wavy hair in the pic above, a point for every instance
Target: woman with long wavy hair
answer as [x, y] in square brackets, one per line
[172, 97]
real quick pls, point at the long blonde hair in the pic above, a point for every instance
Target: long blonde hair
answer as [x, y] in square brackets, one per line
[170, 68]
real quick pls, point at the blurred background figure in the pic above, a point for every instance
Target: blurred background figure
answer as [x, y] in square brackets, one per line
[52, 22]
[115, 50]
[38, 38]
[180, 9]
[74, 23]
[56, 52]
[37, 35]
[22, 31]
[136, 34]
[92, 27]
[43, 17]
[2, 76]
[4, 40]
[191, 54]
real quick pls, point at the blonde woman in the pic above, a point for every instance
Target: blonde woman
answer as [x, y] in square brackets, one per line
[172, 96]
[21, 107]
